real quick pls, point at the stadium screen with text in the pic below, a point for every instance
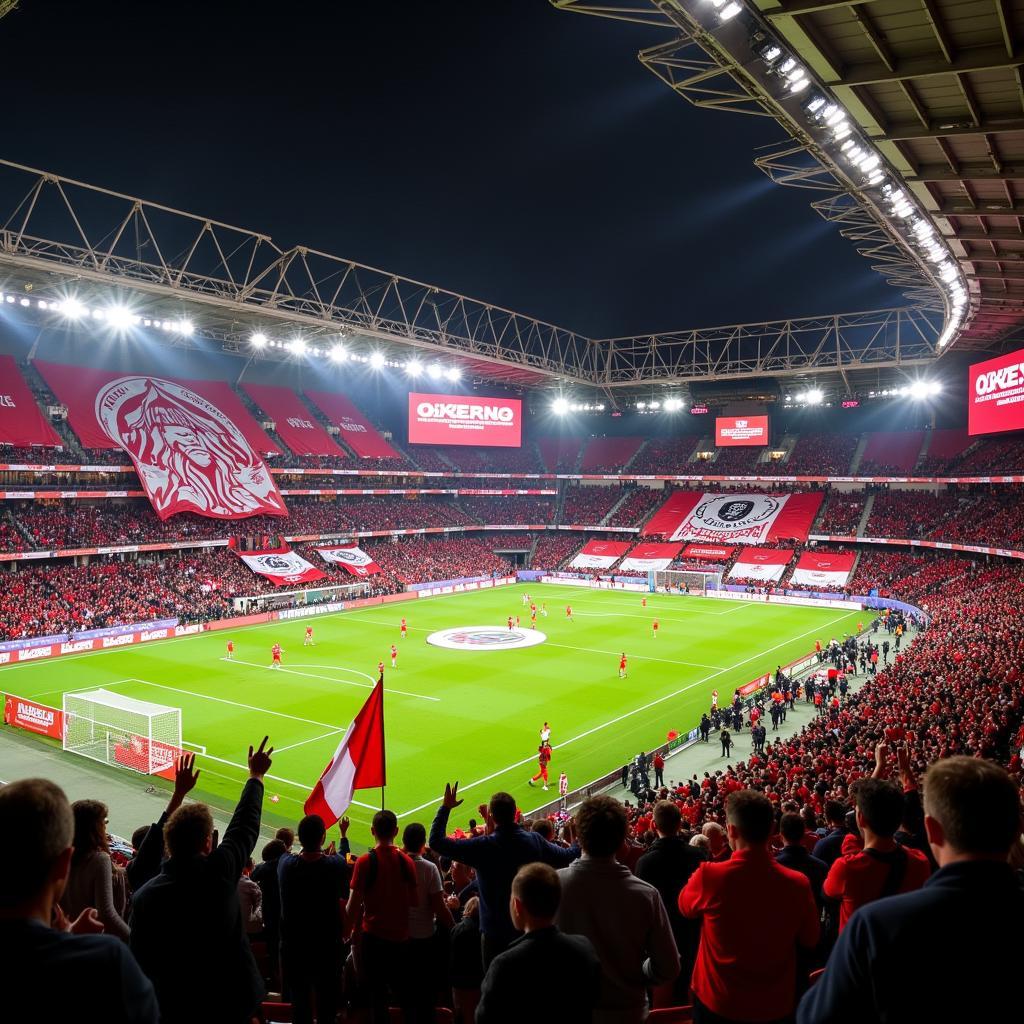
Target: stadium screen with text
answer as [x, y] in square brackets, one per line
[996, 395]
[465, 419]
[741, 431]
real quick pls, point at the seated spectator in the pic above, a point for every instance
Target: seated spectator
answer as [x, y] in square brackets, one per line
[313, 887]
[622, 916]
[951, 950]
[746, 973]
[58, 970]
[90, 882]
[561, 972]
[496, 857]
[883, 867]
[187, 923]
[383, 890]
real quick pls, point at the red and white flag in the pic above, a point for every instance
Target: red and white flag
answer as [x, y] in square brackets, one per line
[358, 763]
[352, 557]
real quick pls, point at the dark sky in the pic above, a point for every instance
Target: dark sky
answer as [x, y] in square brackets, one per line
[498, 148]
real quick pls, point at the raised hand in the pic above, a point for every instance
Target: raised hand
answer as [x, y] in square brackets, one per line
[451, 796]
[185, 774]
[259, 762]
[343, 827]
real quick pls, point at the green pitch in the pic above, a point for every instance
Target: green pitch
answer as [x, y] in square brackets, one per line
[449, 714]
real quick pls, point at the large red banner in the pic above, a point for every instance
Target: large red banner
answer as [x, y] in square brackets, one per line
[38, 718]
[292, 420]
[282, 566]
[995, 399]
[193, 444]
[600, 554]
[22, 422]
[465, 420]
[727, 517]
[741, 431]
[765, 564]
[823, 568]
[708, 552]
[356, 430]
[650, 557]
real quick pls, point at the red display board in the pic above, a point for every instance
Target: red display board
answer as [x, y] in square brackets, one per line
[22, 422]
[465, 420]
[741, 431]
[996, 395]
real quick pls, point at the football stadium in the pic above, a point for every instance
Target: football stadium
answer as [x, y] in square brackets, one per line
[406, 616]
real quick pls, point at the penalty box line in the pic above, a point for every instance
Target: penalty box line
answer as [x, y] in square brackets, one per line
[630, 714]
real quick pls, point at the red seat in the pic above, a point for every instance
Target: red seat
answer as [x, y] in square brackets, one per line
[276, 1013]
[671, 1015]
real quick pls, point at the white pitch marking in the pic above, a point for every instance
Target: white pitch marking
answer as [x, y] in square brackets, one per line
[629, 714]
[312, 739]
[328, 679]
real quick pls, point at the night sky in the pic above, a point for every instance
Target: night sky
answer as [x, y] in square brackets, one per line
[497, 148]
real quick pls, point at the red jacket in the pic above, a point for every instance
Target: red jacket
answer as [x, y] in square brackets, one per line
[747, 962]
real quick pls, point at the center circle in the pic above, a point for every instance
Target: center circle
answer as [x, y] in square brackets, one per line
[485, 638]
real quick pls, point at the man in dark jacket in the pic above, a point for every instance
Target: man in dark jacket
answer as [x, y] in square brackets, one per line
[497, 857]
[187, 931]
[830, 847]
[667, 866]
[265, 876]
[560, 972]
[912, 956]
[794, 854]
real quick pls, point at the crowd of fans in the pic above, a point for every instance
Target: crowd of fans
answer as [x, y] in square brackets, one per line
[511, 509]
[665, 455]
[913, 514]
[589, 504]
[841, 513]
[554, 549]
[638, 505]
[817, 455]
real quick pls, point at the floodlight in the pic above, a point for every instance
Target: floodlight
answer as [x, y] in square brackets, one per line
[119, 317]
[559, 406]
[435, 371]
[414, 367]
[337, 353]
[71, 308]
[453, 373]
[183, 327]
[673, 404]
[377, 360]
[296, 346]
[729, 11]
[258, 340]
[25, 302]
[815, 396]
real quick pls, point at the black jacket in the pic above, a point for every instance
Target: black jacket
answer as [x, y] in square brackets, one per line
[667, 865]
[561, 974]
[187, 932]
[312, 890]
[146, 862]
[796, 858]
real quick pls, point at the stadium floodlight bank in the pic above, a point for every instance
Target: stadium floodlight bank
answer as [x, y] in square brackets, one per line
[298, 598]
[684, 581]
[122, 731]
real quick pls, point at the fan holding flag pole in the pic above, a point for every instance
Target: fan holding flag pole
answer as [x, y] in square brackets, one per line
[358, 763]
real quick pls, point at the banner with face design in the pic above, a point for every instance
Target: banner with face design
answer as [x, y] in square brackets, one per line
[282, 566]
[352, 558]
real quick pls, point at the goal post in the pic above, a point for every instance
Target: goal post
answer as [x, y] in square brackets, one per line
[121, 731]
[684, 581]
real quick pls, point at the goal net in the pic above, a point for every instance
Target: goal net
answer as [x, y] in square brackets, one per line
[685, 581]
[122, 731]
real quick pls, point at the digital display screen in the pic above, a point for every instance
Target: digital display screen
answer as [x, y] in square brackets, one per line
[741, 431]
[465, 420]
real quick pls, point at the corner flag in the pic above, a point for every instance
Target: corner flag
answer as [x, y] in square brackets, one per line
[358, 763]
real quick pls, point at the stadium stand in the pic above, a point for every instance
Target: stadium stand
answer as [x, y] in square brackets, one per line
[637, 506]
[609, 454]
[554, 549]
[512, 509]
[731, 461]
[891, 452]
[842, 513]
[588, 505]
[817, 455]
[665, 455]
[559, 454]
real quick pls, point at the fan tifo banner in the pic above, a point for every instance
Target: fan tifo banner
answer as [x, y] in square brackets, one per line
[194, 445]
[282, 566]
[292, 420]
[22, 422]
[730, 517]
[356, 430]
[651, 557]
[823, 569]
[763, 564]
[600, 554]
[353, 558]
[707, 552]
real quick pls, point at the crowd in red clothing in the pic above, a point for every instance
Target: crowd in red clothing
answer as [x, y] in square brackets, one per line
[511, 509]
[842, 512]
[554, 548]
[589, 504]
[665, 455]
[817, 455]
[639, 504]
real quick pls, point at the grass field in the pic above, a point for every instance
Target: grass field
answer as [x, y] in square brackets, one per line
[450, 714]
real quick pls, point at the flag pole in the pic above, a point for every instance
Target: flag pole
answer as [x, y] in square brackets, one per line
[382, 745]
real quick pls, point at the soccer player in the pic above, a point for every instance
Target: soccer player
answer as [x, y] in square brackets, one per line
[231, 650]
[533, 619]
[517, 622]
[380, 668]
[643, 602]
[714, 698]
[563, 788]
[510, 622]
[308, 642]
[543, 759]
[568, 613]
[545, 733]
[544, 609]
[654, 629]
[622, 666]
[403, 628]
[526, 600]
[394, 656]
[275, 654]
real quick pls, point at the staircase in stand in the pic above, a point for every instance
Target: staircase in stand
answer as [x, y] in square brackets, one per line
[862, 526]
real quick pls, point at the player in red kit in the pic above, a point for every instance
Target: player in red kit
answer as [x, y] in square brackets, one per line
[510, 622]
[543, 759]
[533, 619]
[275, 654]
[403, 629]
[654, 629]
[622, 666]
[380, 668]
[394, 656]
[308, 642]
[568, 613]
[643, 602]
[231, 649]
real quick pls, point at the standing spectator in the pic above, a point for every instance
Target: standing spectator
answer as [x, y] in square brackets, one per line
[621, 914]
[668, 865]
[265, 876]
[561, 972]
[383, 890]
[895, 961]
[312, 889]
[794, 854]
[830, 847]
[744, 973]
[91, 880]
[58, 969]
[726, 742]
[659, 770]
[250, 899]
[430, 908]
[883, 867]
[718, 841]
[496, 857]
[187, 923]
[465, 962]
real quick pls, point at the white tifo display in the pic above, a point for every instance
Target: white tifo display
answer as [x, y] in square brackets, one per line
[122, 731]
[686, 581]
